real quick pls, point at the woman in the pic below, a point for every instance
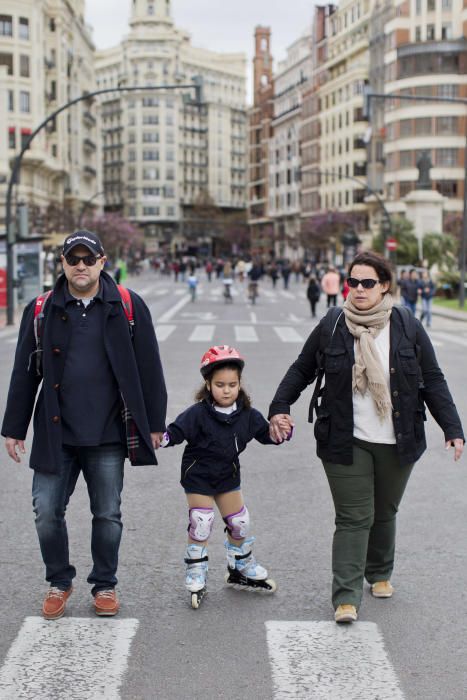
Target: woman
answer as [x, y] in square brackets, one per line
[313, 292]
[369, 427]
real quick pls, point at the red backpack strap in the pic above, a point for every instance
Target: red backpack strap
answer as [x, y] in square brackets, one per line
[40, 302]
[39, 309]
[127, 304]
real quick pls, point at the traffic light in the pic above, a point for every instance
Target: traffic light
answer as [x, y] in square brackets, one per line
[199, 88]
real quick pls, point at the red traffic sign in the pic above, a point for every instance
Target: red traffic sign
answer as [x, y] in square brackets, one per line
[391, 244]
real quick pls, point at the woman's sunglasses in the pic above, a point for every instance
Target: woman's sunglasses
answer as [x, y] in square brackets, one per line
[353, 282]
[89, 260]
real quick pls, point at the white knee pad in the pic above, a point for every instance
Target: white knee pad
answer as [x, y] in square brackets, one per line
[201, 522]
[238, 524]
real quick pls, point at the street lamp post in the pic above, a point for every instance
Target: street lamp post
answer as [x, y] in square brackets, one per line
[429, 98]
[197, 85]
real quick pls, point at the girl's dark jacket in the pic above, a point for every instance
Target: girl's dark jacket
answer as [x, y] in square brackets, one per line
[216, 439]
[415, 381]
[135, 363]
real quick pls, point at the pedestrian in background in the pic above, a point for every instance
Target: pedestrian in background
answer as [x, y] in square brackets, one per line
[427, 291]
[330, 284]
[409, 290]
[313, 293]
[91, 373]
[369, 427]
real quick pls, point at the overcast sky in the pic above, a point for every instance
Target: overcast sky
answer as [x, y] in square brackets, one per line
[213, 24]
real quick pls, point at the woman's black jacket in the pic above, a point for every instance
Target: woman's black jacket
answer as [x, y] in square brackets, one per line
[415, 381]
[135, 363]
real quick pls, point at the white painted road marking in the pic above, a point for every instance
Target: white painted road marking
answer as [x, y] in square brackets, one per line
[245, 334]
[73, 658]
[163, 332]
[451, 338]
[325, 661]
[204, 333]
[179, 305]
[288, 334]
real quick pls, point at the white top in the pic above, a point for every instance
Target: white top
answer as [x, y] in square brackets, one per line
[226, 409]
[368, 425]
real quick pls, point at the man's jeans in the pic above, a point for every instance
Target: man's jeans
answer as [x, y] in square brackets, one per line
[102, 469]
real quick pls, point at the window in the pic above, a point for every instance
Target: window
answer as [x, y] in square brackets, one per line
[11, 137]
[150, 174]
[418, 7]
[150, 155]
[25, 134]
[446, 157]
[448, 188]
[6, 25]
[23, 28]
[11, 101]
[406, 159]
[446, 4]
[431, 5]
[430, 32]
[418, 33]
[150, 211]
[170, 211]
[150, 9]
[406, 127]
[150, 137]
[446, 30]
[150, 119]
[447, 125]
[24, 102]
[6, 59]
[24, 66]
[423, 126]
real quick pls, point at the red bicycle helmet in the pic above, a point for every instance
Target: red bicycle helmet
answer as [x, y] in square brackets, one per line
[220, 354]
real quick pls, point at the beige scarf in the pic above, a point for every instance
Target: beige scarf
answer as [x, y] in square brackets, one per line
[368, 372]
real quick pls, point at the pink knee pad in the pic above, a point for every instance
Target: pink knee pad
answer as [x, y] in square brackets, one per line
[238, 524]
[201, 522]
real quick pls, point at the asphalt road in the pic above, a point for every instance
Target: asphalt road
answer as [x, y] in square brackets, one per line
[240, 644]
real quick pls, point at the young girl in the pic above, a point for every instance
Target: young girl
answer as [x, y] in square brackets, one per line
[217, 428]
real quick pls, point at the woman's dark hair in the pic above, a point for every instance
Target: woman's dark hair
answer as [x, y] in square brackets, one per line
[204, 393]
[380, 265]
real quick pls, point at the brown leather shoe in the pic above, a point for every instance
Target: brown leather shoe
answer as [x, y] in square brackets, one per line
[346, 613]
[106, 603]
[382, 589]
[54, 603]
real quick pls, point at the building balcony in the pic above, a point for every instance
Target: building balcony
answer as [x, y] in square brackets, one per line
[89, 171]
[89, 118]
[89, 146]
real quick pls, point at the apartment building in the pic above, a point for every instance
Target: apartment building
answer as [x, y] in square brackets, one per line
[46, 60]
[425, 54]
[259, 133]
[164, 153]
[291, 80]
[311, 151]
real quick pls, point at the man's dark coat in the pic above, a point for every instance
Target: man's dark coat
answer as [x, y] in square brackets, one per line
[135, 363]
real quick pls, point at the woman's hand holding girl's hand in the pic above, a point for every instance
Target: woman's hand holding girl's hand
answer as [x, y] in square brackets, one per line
[458, 445]
[280, 427]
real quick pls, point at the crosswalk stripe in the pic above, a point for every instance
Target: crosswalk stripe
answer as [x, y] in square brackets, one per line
[451, 338]
[163, 332]
[288, 334]
[205, 332]
[303, 661]
[245, 334]
[286, 294]
[82, 658]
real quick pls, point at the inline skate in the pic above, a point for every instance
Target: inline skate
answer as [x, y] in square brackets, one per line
[243, 569]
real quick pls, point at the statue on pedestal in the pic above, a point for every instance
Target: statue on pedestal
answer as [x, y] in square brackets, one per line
[424, 165]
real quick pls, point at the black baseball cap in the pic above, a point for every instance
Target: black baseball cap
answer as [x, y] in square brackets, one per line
[83, 237]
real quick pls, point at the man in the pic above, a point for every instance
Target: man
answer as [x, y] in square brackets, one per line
[410, 290]
[91, 367]
[330, 284]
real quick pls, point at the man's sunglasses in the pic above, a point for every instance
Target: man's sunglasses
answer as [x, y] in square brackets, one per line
[353, 282]
[89, 260]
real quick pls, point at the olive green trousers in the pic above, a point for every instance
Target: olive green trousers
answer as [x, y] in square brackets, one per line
[366, 497]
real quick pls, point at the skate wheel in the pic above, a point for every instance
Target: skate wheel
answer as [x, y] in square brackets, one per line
[194, 601]
[272, 585]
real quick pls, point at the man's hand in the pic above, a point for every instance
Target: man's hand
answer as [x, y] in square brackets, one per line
[458, 445]
[11, 445]
[280, 427]
[156, 440]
